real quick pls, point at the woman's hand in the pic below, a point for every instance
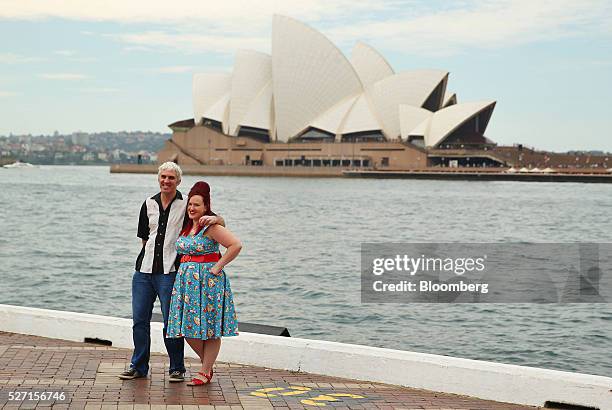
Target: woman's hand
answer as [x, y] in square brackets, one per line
[216, 270]
[229, 241]
[207, 220]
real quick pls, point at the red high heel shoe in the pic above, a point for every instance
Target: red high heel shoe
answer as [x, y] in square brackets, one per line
[199, 382]
[208, 377]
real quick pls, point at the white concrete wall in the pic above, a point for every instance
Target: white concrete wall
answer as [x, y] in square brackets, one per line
[486, 380]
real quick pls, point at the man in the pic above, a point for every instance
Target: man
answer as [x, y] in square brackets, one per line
[160, 222]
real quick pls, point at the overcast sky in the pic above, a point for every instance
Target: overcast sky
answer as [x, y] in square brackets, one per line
[98, 65]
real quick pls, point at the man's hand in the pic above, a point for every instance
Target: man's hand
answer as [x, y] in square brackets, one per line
[208, 220]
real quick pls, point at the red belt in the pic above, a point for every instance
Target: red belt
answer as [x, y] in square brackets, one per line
[207, 257]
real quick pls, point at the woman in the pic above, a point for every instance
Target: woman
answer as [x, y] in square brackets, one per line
[202, 306]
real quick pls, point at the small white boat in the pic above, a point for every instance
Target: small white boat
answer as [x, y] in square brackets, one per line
[19, 164]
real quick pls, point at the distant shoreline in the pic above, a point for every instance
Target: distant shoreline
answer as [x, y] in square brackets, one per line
[38, 164]
[573, 175]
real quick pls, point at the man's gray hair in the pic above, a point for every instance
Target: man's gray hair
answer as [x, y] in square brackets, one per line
[171, 166]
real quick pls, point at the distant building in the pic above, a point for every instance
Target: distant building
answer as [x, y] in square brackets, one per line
[306, 104]
[89, 156]
[80, 138]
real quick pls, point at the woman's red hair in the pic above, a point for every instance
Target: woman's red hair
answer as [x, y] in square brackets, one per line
[203, 189]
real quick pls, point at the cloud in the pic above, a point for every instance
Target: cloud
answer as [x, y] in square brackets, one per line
[64, 76]
[190, 25]
[4, 94]
[193, 42]
[178, 69]
[395, 26]
[66, 53]
[99, 90]
[583, 64]
[73, 55]
[130, 49]
[10, 58]
[84, 59]
[234, 13]
[485, 24]
[408, 26]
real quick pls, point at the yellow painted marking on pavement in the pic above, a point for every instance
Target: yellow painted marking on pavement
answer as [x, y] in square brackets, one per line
[258, 394]
[324, 397]
[313, 403]
[266, 391]
[352, 396]
[296, 390]
[271, 389]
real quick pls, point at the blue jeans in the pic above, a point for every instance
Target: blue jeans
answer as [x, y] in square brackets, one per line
[145, 289]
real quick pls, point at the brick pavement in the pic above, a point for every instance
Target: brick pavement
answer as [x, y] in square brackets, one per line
[87, 375]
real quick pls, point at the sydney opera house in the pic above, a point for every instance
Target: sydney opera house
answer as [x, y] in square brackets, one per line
[308, 105]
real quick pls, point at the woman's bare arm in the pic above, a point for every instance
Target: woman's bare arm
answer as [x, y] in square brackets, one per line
[230, 241]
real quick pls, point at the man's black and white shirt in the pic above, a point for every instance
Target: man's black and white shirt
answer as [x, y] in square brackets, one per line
[160, 228]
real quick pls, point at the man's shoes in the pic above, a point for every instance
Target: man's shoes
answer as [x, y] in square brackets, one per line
[131, 374]
[176, 377]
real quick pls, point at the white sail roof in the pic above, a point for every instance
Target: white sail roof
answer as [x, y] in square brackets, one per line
[219, 111]
[308, 82]
[421, 129]
[260, 112]
[361, 117]
[353, 114]
[252, 72]
[332, 119]
[207, 90]
[309, 76]
[410, 88]
[412, 117]
[450, 118]
[449, 99]
[370, 65]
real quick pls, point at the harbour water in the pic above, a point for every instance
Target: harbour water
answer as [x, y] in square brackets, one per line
[68, 241]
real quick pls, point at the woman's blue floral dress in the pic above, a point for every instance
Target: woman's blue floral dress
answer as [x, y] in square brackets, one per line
[202, 305]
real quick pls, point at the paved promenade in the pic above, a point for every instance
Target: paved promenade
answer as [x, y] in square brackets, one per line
[84, 376]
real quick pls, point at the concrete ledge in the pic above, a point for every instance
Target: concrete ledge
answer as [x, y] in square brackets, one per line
[339, 172]
[464, 175]
[235, 170]
[485, 380]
